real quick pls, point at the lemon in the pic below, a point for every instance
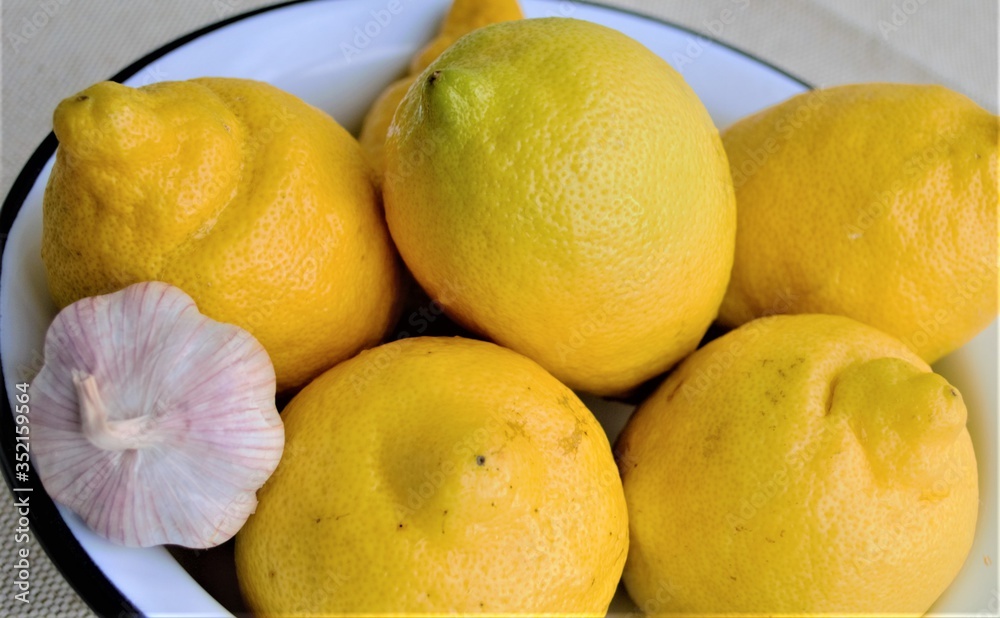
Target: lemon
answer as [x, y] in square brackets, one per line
[557, 187]
[378, 119]
[874, 201]
[463, 17]
[432, 476]
[798, 464]
[256, 204]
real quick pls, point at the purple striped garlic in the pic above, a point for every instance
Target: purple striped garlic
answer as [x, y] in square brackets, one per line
[153, 422]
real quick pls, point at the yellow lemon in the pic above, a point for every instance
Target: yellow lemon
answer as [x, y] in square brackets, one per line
[259, 206]
[377, 121]
[874, 201]
[463, 17]
[435, 476]
[557, 187]
[798, 464]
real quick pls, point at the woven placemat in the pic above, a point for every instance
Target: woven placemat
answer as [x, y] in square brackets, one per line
[53, 48]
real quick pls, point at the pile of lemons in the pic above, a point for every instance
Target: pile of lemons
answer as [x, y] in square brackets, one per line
[561, 194]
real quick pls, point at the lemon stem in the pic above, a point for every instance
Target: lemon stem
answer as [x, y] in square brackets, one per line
[103, 433]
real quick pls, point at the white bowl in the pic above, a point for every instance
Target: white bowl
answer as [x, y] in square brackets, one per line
[338, 56]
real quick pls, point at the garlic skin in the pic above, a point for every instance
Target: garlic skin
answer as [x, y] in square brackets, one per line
[153, 422]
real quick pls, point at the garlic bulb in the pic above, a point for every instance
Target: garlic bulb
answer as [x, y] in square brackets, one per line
[153, 422]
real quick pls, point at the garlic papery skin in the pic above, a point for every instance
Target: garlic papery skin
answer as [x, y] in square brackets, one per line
[154, 423]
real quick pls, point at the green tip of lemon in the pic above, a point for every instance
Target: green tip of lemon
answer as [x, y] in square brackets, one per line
[455, 97]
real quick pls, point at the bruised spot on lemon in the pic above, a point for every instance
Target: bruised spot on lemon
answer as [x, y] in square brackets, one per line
[798, 464]
[442, 485]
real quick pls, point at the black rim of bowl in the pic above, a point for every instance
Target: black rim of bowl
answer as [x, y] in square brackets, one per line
[47, 524]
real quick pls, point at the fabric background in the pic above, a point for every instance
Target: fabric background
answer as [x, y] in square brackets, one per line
[824, 42]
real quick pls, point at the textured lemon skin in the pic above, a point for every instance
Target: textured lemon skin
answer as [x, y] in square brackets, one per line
[577, 213]
[259, 206]
[874, 201]
[377, 121]
[434, 476]
[463, 17]
[799, 464]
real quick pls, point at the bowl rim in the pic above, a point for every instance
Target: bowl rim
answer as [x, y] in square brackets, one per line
[46, 523]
